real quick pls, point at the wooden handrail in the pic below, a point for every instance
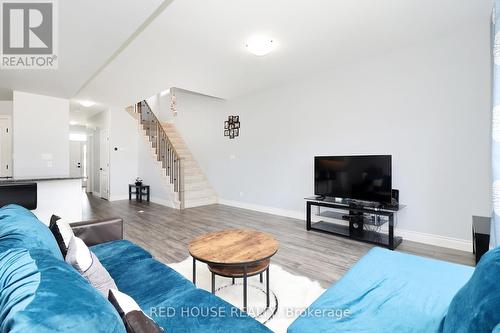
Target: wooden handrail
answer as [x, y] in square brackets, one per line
[165, 150]
[162, 130]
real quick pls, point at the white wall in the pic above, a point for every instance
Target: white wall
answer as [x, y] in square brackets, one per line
[78, 129]
[160, 105]
[132, 158]
[200, 121]
[6, 108]
[123, 152]
[149, 170]
[427, 105]
[41, 131]
[60, 197]
[100, 120]
[154, 103]
[164, 111]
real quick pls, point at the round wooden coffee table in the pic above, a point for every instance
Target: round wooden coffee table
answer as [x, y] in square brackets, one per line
[235, 253]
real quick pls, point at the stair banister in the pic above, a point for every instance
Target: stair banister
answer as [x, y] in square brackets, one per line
[165, 150]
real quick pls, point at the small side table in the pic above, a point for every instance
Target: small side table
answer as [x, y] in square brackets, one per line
[140, 191]
[480, 236]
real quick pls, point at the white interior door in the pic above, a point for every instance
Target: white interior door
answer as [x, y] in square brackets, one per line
[104, 163]
[85, 165]
[5, 147]
[75, 159]
[89, 188]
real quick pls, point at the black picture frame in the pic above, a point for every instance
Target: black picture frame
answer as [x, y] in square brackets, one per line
[232, 126]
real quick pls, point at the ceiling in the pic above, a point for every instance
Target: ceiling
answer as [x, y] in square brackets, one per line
[198, 45]
[79, 114]
[90, 31]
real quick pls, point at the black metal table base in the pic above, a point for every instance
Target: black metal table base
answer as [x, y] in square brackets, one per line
[245, 282]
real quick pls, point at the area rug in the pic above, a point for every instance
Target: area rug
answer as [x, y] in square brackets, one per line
[289, 294]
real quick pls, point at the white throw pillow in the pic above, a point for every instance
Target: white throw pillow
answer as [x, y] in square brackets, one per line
[62, 231]
[126, 302]
[88, 265]
[65, 230]
[79, 255]
[134, 319]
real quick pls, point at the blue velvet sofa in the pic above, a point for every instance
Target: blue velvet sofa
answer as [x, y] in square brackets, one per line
[389, 291]
[39, 292]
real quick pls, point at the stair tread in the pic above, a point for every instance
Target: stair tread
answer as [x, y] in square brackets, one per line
[197, 189]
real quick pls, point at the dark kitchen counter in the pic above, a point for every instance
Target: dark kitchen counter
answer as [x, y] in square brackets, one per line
[33, 179]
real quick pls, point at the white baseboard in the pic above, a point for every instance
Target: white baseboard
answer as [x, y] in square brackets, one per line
[414, 236]
[163, 202]
[264, 209]
[437, 240]
[118, 197]
[155, 200]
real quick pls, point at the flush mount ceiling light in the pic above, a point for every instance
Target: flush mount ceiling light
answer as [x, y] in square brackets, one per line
[260, 45]
[87, 104]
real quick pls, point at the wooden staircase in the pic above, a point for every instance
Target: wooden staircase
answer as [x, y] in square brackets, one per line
[180, 170]
[197, 190]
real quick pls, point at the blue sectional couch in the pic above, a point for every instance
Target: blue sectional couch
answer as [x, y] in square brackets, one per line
[170, 299]
[385, 291]
[389, 291]
[39, 292]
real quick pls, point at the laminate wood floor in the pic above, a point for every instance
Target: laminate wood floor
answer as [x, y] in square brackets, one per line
[166, 233]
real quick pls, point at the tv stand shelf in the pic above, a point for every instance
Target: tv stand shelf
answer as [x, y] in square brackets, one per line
[377, 221]
[355, 224]
[332, 215]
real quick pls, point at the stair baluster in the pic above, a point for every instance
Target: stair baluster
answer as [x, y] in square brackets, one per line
[164, 149]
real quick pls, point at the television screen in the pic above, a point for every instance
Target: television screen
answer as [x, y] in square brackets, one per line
[367, 178]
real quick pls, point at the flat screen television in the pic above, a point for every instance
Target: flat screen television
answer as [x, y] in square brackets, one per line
[364, 178]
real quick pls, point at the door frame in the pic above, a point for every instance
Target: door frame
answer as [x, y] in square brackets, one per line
[104, 151]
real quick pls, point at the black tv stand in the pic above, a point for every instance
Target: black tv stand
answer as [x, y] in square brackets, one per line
[356, 220]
